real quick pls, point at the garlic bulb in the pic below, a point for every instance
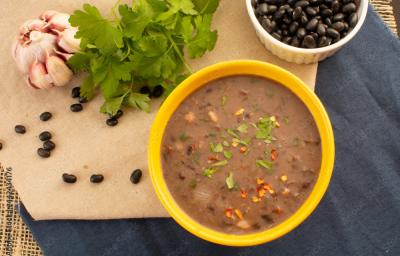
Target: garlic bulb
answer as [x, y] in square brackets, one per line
[43, 46]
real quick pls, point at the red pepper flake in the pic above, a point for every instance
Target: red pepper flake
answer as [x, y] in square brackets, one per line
[243, 149]
[277, 210]
[229, 213]
[274, 154]
[243, 193]
[239, 214]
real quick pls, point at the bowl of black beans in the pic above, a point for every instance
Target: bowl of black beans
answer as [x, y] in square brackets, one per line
[306, 31]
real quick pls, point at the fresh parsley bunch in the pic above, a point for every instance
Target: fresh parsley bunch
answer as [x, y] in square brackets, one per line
[143, 45]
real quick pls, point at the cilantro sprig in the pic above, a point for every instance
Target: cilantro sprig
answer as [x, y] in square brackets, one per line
[141, 45]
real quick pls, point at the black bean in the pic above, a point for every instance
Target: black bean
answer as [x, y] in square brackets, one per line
[349, 8]
[311, 11]
[302, 3]
[353, 19]
[322, 41]
[315, 36]
[296, 13]
[69, 178]
[119, 114]
[273, 25]
[286, 21]
[96, 178]
[43, 152]
[291, 2]
[145, 90]
[309, 42]
[76, 92]
[1, 146]
[316, 8]
[326, 13]
[293, 27]
[135, 176]
[312, 24]
[112, 121]
[272, 9]
[287, 39]
[157, 91]
[276, 36]
[318, 17]
[45, 116]
[289, 11]
[338, 26]
[20, 129]
[332, 33]
[303, 20]
[49, 145]
[328, 22]
[295, 41]
[323, 7]
[284, 7]
[76, 107]
[43, 136]
[321, 30]
[301, 32]
[346, 26]
[278, 15]
[338, 17]
[335, 6]
[82, 100]
[266, 24]
[262, 9]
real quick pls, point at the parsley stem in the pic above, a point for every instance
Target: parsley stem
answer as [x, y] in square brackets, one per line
[178, 52]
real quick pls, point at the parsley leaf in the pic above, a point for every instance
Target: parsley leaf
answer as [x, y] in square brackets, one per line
[243, 128]
[206, 6]
[264, 163]
[209, 172]
[230, 182]
[227, 154]
[204, 39]
[217, 148]
[220, 163]
[139, 101]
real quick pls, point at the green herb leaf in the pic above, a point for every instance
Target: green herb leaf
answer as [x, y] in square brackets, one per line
[139, 101]
[217, 148]
[111, 106]
[264, 163]
[232, 133]
[243, 128]
[230, 182]
[204, 38]
[209, 172]
[87, 88]
[225, 143]
[79, 62]
[227, 154]
[97, 30]
[183, 137]
[244, 142]
[223, 100]
[206, 6]
[220, 163]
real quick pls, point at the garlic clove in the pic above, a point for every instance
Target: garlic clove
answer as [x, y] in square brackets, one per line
[58, 71]
[67, 40]
[31, 25]
[59, 21]
[47, 15]
[38, 77]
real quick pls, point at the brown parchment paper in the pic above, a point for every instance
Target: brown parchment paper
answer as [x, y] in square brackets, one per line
[85, 145]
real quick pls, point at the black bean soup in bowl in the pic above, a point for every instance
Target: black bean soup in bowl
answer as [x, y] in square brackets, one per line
[307, 23]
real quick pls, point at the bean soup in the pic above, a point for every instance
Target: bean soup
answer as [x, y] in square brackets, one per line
[241, 154]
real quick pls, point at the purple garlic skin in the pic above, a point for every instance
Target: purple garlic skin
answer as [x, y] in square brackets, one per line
[42, 48]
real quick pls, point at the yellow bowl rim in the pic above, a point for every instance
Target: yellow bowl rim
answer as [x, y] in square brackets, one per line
[231, 68]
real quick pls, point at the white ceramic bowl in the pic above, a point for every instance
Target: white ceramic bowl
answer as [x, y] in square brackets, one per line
[301, 55]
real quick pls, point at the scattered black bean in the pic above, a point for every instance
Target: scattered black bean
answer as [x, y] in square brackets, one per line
[69, 178]
[76, 92]
[96, 178]
[49, 145]
[43, 136]
[145, 90]
[20, 129]
[119, 114]
[112, 121]
[82, 100]
[135, 176]
[157, 91]
[45, 116]
[76, 107]
[43, 152]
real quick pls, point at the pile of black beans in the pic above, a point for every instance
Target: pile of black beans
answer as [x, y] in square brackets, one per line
[307, 23]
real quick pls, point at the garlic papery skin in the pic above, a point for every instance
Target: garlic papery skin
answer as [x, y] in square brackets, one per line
[58, 71]
[42, 48]
[67, 40]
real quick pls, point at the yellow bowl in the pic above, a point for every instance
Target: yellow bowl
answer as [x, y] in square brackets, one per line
[202, 77]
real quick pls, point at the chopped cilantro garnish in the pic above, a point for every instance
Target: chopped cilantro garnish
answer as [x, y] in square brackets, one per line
[227, 154]
[230, 182]
[209, 172]
[243, 128]
[232, 133]
[264, 163]
[225, 143]
[265, 126]
[220, 163]
[183, 137]
[244, 142]
[223, 100]
[217, 148]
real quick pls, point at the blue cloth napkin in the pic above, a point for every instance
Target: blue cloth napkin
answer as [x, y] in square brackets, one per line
[360, 213]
